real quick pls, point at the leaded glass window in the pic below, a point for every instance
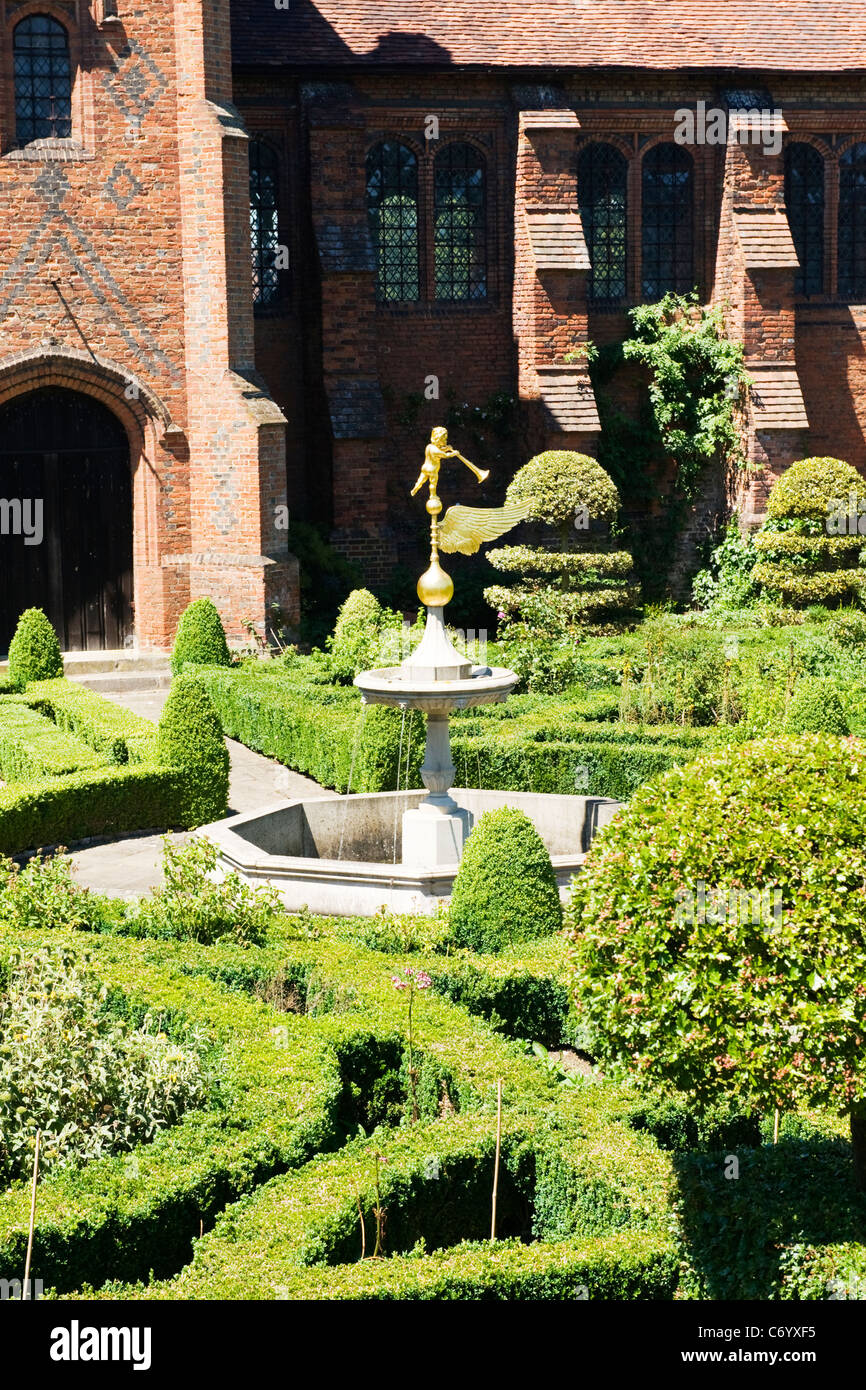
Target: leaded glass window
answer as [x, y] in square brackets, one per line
[392, 209]
[43, 80]
[852, 224]
[804, 199]
[601, 193]
[264, 222]
[667, 230]
[460, 223]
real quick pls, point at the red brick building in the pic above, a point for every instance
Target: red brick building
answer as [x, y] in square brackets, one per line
[449, 200]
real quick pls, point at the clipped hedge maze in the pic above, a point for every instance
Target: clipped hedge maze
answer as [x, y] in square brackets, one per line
[282, 1173]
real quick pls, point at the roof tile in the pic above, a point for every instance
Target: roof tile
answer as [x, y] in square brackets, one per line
[767, 35]
[765, 237]
[777, 399]
[557, 239]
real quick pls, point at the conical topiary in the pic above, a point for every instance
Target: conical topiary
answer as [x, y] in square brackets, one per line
[356, 642]
[200, 637]
[34, 652]
[505, 889]
[190, 738]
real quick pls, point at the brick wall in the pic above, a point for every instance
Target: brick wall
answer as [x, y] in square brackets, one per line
[506, 344]
[141, 220]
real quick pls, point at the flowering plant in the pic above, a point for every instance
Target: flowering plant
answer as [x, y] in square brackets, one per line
[412, 979]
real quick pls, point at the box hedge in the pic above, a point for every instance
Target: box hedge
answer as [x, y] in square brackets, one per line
[505, 890]
[531, 744]
[200, 637]
[190, 737]
[32, 747]
[34, 652]
[79, 766]
[117, 733]
[288, 1085]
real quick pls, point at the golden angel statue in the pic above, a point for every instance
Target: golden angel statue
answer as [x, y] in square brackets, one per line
[463, 529]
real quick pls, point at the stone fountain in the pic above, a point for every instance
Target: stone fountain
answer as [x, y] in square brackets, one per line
[355, 854]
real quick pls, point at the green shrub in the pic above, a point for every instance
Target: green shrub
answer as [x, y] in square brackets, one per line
[688, 677]
[91, 1085]
[583, 579]
[291, 1083]
[812, 487]
[718, 930]
[315, 729]
[849, 629]
[34, 652]
[679, 1129]
[107, 801]
[44, 894]
[200, 637]
[505, 890]
[557, 482]
[537, 746]
[816, 709]
[32, 746]
[193, 907]
[190, 737]
[806, 554]
[358, 641]
[115, 733]
[728, 581]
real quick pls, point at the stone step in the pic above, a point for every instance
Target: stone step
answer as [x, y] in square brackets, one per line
[117, 682]
[78, 664]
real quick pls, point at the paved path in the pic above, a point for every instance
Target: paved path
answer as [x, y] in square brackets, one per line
[131, 865]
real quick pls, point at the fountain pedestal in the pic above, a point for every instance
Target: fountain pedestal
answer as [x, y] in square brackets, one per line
[438, 680]
[436, 831]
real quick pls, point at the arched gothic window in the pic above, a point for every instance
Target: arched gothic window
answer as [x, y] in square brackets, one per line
[392, 210]
[43, 80]
[667, 230]
[460, 223]
[852, 224]
[601, 194]
[264, 222]
[804, 199]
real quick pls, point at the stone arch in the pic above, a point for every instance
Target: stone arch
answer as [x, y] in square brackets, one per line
[152, 437]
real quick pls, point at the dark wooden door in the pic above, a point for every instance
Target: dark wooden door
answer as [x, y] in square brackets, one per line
[74, 557]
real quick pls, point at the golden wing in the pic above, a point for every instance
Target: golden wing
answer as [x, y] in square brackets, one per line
[467, 528]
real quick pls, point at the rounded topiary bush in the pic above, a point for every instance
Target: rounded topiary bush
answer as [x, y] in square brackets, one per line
[810, 544]
[356, 642]
[555, 483]
[505, 889]
[34, 652]
[200, 637]
[719, 943]
[816, 709]
[573, 575]
[812, 487]
[190, 738]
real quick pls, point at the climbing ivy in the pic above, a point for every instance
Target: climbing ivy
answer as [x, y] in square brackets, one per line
[696, 375]
[688, 416]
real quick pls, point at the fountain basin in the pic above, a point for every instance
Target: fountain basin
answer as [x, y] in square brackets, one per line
[395, 686]
[295, 847]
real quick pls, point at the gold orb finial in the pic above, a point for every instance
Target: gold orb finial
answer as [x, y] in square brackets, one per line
[435, 587]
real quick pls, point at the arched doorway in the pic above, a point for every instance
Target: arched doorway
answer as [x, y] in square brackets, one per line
[65, 518]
